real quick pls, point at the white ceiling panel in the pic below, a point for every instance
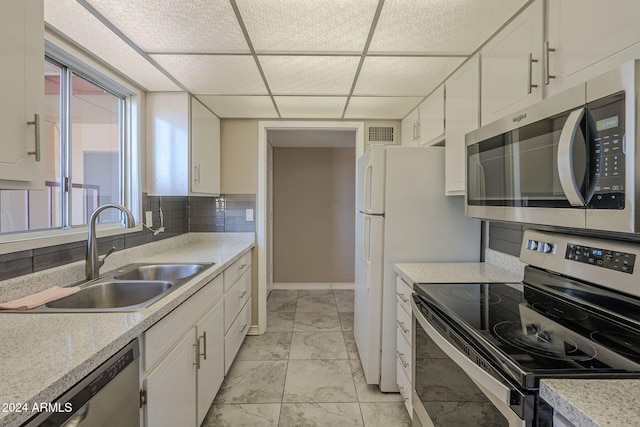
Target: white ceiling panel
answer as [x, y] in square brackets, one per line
[304, 107]
[381, 107]
[308, 25]
[169, 26]
[71, 19]
[403, 76]
[240, 106]
[215, 74]
[310, 75]
[439, 26]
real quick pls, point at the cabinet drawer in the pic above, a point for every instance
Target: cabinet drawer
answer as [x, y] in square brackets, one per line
[162, 336]
[403, 353]
[236, 269]
[404, 385]
[403, 294]
[236, 299]
[404, 323]
[235, 336]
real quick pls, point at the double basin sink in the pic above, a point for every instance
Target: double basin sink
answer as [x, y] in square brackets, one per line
[131, 288]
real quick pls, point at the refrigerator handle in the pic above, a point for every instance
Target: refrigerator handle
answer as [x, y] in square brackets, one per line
[366, 208]
[366, 242]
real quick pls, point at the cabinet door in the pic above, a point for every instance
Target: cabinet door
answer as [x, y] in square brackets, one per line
[462, 109]
[22, 84]
[171, 387]
[410, 129]
[512, 65]
[210, 332]
[205, 150]
[431, 117]
[588, 38]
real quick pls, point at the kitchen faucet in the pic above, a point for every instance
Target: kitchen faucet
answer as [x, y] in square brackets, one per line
[93, 261]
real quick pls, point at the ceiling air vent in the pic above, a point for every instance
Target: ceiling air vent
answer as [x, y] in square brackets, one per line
[381, 135]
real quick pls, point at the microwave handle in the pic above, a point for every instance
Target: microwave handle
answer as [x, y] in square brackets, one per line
[566, 172]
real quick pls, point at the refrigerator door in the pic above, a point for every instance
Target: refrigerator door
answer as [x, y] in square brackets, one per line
[367, 321]
[370, 181]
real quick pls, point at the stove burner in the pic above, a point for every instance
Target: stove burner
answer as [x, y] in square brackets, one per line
[627, 344]
[463, 295]
[542, 343]
[564, 313]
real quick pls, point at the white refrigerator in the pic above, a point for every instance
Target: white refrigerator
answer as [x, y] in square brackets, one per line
[402, 216]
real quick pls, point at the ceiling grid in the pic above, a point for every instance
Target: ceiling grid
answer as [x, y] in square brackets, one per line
[365, 59]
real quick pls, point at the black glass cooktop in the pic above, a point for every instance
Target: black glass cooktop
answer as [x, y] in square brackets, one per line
[530, 331]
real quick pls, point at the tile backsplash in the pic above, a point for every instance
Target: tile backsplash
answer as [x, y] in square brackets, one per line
[226, 213]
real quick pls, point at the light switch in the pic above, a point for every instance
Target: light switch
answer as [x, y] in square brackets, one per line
[148, 218]
[249, 214]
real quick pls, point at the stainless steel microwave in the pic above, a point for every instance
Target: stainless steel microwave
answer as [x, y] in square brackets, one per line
[569, 160]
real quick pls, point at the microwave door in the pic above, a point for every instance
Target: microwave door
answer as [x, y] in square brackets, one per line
[571, 158]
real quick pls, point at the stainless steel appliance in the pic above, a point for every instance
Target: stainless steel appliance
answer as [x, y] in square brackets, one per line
[108, 396]
[481, 349]
[569, 160]
[402, 216]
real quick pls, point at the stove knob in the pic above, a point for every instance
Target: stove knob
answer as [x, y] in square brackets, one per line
[532, 245]
[544, 247]
[544, 337]
[531, 329]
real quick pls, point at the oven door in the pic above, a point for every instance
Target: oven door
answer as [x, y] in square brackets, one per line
[451, 390]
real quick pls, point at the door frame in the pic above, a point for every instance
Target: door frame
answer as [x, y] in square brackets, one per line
[261, 208]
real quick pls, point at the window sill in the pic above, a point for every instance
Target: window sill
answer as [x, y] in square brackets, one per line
[41, 239]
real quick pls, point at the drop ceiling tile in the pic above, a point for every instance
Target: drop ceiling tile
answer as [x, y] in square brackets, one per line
[73, 21]
[169, 26]
[215, 74]
[240, 106]
[403, 76]
[439, 26]
[304, 107]
[381, 107]
[310, 75]
[308, 25]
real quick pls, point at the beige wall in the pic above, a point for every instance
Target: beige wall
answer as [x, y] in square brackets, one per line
[314, 215]
[238, 156]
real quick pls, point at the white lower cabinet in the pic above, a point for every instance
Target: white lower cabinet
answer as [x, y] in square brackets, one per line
[404, 336]
[186, 355]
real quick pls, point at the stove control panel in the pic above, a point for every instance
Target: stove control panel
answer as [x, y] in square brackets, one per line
[605, 258]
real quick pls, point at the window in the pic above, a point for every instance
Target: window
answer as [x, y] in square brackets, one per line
[84, 135]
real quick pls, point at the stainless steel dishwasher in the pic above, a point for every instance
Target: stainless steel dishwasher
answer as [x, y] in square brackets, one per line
[108, 396]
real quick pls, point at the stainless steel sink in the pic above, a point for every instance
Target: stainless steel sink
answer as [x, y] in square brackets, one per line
[113, 295]
[170, 272]
[131, 288]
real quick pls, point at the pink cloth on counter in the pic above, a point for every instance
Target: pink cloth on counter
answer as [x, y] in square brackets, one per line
[39, 298]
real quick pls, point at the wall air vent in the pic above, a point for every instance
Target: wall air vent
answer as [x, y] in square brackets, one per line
[383, 134]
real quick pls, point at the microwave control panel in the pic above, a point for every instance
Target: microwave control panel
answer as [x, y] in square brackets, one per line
[613, 260]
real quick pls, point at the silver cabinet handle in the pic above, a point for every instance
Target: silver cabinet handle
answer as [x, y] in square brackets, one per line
[402, 297]
[243, 328]
[531, 62]
[566, 172]
[419, 129]
[197, 346]
[401, 358]
[204, 340]
[242, 294]
[548, 75]
[36, 123]
[402, 326]
[415, 131]
[242, 266]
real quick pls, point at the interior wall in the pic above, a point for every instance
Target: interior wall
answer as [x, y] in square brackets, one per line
[238, 156]
[314, 215]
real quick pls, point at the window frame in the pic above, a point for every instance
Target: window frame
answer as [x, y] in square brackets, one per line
[80, 64]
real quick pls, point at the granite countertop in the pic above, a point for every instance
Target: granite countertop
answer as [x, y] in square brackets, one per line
[454, 272]
[45, 354]
[594, 403]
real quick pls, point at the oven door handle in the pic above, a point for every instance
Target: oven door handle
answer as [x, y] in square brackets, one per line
[501, 391]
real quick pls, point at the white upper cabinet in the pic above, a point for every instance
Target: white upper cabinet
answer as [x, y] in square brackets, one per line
[183, 146]
[462, 108]
[21, 106]
[586, 38]
[410, 129]
[512, 65]
[431, 118]
[205, 150]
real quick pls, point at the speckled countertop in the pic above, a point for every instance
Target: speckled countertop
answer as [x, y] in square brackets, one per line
[42, 355]
[594, 403]
[461, 272]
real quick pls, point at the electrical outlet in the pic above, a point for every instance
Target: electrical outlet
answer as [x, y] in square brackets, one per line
[249, 214]
[148, 218]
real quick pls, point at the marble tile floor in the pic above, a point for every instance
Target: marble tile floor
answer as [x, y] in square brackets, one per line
[304, 371]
